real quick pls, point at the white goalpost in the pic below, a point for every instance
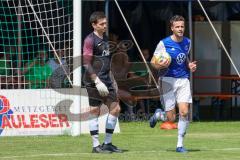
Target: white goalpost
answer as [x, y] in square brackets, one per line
[77, 54]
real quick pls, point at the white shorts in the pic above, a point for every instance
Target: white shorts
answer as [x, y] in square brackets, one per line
[174, 90]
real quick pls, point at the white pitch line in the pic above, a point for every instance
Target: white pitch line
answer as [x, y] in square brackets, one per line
[127, 152]
[43, 155]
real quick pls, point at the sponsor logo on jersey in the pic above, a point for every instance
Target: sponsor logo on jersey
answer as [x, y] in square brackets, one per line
[181, 58]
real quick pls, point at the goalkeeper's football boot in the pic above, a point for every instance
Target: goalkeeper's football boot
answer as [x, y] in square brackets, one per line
[181, 150]
[159, 114]
[110, 147]
[99, 149]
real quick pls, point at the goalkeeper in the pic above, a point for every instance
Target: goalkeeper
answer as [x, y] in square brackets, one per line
[99, 83]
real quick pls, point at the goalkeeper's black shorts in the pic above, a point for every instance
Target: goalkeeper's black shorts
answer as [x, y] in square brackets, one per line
[96, 100]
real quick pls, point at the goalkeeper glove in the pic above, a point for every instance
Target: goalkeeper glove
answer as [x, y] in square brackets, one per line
[101, 87]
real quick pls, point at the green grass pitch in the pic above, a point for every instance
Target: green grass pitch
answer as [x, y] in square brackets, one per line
[204, 140]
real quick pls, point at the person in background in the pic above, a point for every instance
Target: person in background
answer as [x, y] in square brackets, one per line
[59, 71]
[37, 72]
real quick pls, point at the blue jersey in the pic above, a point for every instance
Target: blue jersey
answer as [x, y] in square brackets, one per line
[179, 52]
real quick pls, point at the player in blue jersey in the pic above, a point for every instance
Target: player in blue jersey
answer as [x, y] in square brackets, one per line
[99, 83]
[177, 77]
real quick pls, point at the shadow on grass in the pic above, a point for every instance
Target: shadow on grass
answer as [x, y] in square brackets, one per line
[125, 150]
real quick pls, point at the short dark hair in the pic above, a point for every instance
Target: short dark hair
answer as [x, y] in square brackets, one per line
[176, 18]
[95, 16]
